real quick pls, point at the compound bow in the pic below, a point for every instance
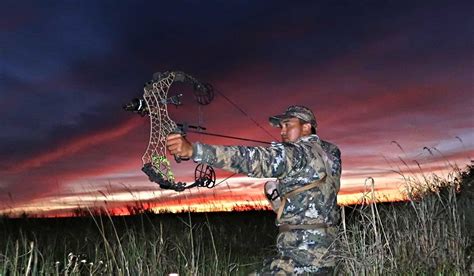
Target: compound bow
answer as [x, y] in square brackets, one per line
[155, 104]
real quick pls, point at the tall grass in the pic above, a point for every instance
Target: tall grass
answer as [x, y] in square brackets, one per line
[188, 244]
[428, 234]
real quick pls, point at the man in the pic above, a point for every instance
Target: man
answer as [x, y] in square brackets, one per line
[308, 172]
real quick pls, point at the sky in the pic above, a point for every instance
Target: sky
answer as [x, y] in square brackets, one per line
[390, 83]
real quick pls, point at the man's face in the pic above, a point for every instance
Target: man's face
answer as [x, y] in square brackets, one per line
[292, 129]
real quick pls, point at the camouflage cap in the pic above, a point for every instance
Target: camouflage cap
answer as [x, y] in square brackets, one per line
[294, 111]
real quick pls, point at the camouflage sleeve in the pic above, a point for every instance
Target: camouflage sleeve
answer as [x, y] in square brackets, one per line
[278, 160]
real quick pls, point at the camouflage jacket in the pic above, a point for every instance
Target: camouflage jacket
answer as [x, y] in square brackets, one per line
[295, 165]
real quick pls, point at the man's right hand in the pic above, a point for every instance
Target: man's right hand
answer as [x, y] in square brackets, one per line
[179, 146]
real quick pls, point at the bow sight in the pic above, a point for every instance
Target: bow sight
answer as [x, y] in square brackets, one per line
[137, 106]
[154, 103]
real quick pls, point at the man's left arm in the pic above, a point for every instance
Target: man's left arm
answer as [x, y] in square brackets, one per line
[276, 161]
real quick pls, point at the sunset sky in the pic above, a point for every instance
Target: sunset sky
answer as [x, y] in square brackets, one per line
[390, 82]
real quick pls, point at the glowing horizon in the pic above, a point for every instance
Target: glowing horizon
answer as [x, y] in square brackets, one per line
[122, 202]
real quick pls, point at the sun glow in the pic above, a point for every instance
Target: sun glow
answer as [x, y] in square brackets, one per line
[239, 193]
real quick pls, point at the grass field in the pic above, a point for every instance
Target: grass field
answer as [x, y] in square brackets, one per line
[197, 243]
[430, 234]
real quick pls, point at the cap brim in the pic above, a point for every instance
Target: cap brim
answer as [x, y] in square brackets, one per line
[276, 120]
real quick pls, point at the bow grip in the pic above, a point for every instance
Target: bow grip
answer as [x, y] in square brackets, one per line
[179, 130]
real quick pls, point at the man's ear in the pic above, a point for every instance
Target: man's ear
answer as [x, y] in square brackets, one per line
[307, 128]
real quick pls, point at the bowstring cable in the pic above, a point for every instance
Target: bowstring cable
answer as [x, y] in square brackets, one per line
[225, 180]
[248, 116]
[201, 122]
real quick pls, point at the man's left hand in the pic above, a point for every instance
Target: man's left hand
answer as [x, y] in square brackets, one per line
[179, 146]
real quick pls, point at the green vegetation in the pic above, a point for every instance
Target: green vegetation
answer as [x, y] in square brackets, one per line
[428, 235]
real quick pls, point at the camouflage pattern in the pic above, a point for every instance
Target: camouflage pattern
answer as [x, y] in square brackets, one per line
[294, 165]
[302, 252]
[296, 111]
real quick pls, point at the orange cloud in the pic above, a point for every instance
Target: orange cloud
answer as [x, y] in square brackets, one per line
[77, 145]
